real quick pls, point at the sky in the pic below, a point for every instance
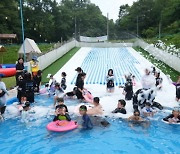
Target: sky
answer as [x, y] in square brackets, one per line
[111, 6]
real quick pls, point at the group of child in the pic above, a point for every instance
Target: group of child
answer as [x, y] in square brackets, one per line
[143, 99]
[147, 108]
[29, 84]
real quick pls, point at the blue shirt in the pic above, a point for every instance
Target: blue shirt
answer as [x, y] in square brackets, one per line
[87, 124]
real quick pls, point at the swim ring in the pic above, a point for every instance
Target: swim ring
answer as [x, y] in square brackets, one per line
[62, 126]
[170, 123]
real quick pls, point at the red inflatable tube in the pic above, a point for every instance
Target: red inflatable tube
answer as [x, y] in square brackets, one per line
[7, 72]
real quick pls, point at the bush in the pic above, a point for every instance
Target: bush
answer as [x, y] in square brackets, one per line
[150, 32]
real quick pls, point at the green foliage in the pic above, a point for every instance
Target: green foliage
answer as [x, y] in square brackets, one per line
[150, 32]
[50, 21]
[173, 28]
[167, 39]
[148, 15]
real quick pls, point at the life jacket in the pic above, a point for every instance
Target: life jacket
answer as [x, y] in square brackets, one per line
[62, 117]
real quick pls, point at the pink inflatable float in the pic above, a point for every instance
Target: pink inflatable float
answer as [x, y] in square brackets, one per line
[43, 91]
[62, 126]
[87, 96]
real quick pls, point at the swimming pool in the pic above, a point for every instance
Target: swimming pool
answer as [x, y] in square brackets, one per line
[17, 137]
[99, 60]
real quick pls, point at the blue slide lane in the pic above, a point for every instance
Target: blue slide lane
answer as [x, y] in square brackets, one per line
[99, 60]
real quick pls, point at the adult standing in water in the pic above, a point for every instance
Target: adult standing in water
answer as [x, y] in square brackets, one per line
[28, 87]
[110, 81]
[79, 71]
[80, 86]
[19, 68]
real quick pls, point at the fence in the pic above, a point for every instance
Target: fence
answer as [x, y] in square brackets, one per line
[50, 57]
[169, 59]
[103, 45]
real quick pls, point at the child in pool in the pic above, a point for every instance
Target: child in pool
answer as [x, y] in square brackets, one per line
[37, 81]
[97, 109]
[63, 81]
[71, 94]
[178, 90]
[87, 124]
[22, 103]
[110, 81]
[135, 121]
[45, 90]
[120, 107]
[60, 114]
[159, 80]
[174, 117]
[60, 102]
[128, 89]
[135, 117]
[52, 82]
[58, 92]
[25, 112]
[147, 110]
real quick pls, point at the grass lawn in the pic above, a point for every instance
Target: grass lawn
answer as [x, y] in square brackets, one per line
[53, 68]
[10, 82]
[159, 64]
[11, 56]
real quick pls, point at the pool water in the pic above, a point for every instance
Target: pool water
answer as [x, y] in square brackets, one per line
[119, 137]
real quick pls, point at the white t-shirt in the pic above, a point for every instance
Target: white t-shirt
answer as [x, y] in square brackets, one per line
[148, 81]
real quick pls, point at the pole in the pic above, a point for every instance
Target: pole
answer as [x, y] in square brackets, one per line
[75, 27]
[22, 28]
[160, 28]
[137, 27]
[107, 26]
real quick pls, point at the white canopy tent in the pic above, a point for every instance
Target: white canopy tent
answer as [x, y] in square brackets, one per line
[31, 48]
